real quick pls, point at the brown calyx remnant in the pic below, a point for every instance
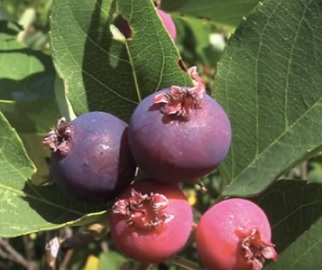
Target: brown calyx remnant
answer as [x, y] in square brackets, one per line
[143, 211]
[59, 137]
[181, 100]
[256, 251]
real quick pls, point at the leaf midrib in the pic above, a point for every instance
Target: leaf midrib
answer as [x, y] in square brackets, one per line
[40, 199]
[289, 127]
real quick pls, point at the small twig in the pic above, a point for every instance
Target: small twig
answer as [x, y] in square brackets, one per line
[145, 266]
[304, 171]
[184, 263]
[104, 246]
[66, 233]
[202, 187]
[3, 254]
[53, 242]
[68, 255]
[14, 255]
[84, 237]
[29, 247]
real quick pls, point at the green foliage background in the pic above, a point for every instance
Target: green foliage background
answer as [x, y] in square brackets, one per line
[268, 79]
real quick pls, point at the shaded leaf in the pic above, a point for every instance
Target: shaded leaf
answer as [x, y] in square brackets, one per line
[193, 40]
[228, 12]
[5, 16]
[14, 162]
[27, 97]
[106, 73]
[269, 82]
[27, 85]
[26, 208]
[112, 260]
[295, 212]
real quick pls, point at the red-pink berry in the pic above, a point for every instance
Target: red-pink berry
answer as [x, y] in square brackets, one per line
[151, 221]
[234, 234]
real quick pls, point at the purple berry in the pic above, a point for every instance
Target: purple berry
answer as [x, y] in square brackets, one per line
[179, 134]
[90, 156]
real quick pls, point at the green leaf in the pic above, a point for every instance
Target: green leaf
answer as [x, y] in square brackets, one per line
[27, 84]
[269, 82]
[228, 12]
[27, 96]
[111, 260]
[5, 16]
[26, 208]
[294, 210]
[106, 73]
[193, 39]
[14, 162]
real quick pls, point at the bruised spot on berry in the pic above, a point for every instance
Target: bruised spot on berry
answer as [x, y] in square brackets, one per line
[181, 100]
[256, 251]
[143, 211]
[59, 137]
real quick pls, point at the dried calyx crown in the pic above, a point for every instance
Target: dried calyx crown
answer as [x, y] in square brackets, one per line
[181, 100]
[255, 250]
[144, 211]
[59, 136]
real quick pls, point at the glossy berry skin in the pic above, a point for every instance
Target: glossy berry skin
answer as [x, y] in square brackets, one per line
[151, 221]
[91, 158]
[184, 144]
[234, 234]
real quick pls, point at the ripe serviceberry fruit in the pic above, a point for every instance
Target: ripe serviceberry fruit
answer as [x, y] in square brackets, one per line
[168, 23]
[90, 156]
[166, 19]
[234, 234]
[151, 222]
[179, 134]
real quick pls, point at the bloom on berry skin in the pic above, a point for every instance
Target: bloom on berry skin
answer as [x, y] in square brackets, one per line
[151, 221]
[234, 234]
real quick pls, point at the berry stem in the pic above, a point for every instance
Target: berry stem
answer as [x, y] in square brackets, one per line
[145, 266]
[184, 263]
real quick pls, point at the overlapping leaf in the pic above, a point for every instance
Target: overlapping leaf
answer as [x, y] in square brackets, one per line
[101, 70]
[27, 84]
[27, 100]
[269, 81]
[25, 208]
[228, 12]
[294, 209]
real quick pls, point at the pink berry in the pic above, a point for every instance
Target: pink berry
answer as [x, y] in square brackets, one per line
[179, 134]
[168, 23]
[234, 234]
[151, 221]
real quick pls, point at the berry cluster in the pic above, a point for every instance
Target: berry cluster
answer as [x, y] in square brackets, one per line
[175, 135]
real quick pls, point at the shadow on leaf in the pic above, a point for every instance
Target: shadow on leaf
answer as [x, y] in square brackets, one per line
[106, 65]
[293, 207]
[55, 206]
[28, 98]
